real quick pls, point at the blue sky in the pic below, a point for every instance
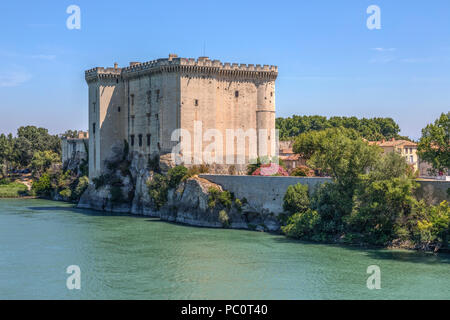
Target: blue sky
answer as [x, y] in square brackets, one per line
[329, 62]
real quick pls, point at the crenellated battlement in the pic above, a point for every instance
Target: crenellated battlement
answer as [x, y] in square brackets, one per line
[174, 64]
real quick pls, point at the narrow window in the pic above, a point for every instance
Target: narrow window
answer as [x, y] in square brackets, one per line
[149, 97]
[156, 116]
[94, 107]
[118, 109]
[132, 139]
[157, 95]
[196, 102]
[148, 139]
[132, 99]
[236, 94]
[93, 128]
[140, 140]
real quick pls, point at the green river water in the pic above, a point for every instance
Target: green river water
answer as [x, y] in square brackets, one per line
[128, 257]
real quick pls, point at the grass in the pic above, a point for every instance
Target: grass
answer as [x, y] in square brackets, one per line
[13, 190]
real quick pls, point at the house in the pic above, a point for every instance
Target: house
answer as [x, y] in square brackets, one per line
[290, 159]
[407, 149]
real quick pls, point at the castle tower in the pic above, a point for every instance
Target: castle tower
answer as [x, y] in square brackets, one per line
[106, 114]
[145, 103]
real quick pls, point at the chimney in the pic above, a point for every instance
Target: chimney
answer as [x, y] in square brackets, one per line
[115, 65]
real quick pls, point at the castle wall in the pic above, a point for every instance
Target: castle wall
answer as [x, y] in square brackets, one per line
[153, 103]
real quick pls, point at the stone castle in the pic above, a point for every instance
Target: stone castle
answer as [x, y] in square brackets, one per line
[144, 103]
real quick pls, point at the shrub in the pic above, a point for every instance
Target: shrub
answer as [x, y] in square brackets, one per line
[434, 226]
[42, 187]
[302, 171]
[81, 186]
[238, 204]
[222, 197]
[66, 193]
[271, 169]
[303, 225]
[224, 218]
[196, 170]
[158, 189]
[176, 175]
[296, 198]
[5, 181]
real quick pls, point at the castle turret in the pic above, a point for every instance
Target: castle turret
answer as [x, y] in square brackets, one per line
[265, 118]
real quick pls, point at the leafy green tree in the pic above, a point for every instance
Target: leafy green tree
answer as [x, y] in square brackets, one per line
[176, 175]
[343, 156]
[42, 161]
[158, 189]
[434, 145]
[43, 186]
[303, 225]
[296, 198]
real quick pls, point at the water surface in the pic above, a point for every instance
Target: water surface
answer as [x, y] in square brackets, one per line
[127, 257]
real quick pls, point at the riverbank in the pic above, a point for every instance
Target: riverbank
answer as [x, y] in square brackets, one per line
[13, 190]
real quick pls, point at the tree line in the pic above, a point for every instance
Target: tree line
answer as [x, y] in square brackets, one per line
[371, 129]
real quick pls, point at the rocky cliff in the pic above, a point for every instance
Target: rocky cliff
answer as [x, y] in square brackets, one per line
[126, 191]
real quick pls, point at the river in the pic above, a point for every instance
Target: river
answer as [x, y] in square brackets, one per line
[129, 257]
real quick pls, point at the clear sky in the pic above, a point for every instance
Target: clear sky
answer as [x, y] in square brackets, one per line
[329, 62]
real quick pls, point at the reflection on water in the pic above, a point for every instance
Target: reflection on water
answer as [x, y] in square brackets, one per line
[127, 257]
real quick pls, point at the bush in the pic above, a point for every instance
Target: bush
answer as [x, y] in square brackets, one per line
[219, 197]
[176, 175]
[296, 199]
[303, 225]
[66, 193]
[434, 226]
[81, 186]
[224, 218]
[302, 171]
[158, 189]
[5, 181]
[42, 187]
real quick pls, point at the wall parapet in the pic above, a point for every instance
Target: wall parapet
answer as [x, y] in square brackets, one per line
[190, 65]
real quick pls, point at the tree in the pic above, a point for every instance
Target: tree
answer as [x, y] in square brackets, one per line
[338, 151]
[370, 129]
[296, 198]
[42, 160]
[434, 145]
[383, 201]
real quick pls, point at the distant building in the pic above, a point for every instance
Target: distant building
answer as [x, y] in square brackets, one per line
[407, 149]
[290, 159]
[75, 148]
